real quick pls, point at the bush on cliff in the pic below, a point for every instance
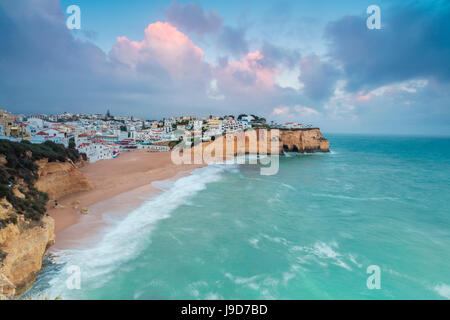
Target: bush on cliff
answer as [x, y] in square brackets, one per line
[20, 169]
[3, 255]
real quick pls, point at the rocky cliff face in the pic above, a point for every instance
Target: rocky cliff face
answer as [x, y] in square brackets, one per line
[27, 181]
[303, 140]
[263, 142]
[24, 245]
[59, 179]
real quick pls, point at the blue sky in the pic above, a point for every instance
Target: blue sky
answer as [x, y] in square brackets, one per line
[307, 61]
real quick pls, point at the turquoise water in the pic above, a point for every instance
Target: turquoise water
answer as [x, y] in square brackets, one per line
[309, 232]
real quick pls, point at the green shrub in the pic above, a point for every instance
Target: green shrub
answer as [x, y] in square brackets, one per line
[3, 255]
[21, 165]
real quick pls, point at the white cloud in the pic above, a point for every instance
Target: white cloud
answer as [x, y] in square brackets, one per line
[305, 111]
[281, 111]
[213, 91]
[294, 111]
[289, 79]
[410, 86]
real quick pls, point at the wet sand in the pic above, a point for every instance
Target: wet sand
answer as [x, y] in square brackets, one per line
[119, 186]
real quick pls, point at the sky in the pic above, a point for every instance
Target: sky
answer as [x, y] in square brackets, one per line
[313, 62]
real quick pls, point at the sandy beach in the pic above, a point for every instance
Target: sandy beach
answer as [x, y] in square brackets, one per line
[119, 185]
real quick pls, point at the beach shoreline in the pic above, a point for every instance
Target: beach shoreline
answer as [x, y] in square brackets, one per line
[119, 186]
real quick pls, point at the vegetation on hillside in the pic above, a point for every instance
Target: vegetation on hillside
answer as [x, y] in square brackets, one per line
[20, 172]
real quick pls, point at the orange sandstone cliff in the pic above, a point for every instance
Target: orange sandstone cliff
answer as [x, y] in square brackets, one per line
[23, 243]
[304, 140]
[262, 141]
[59, 179]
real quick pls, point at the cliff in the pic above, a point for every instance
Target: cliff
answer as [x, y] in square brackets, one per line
[30, 175]
[59, 179]
[304, 141]
[24, 246]
[261, 141]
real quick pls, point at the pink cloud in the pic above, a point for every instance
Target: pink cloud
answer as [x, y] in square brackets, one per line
[163, 47]
[248, 74]
[166, 51]
[361, 97]
[281, 111]
[389, 90]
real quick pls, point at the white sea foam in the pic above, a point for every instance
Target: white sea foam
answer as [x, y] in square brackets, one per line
[213, 296]
[443, 290]
[254, 242]
[280, 240]
[242, 280]
[323, 253]
[288, 186]
[125, 239]
[337, 196]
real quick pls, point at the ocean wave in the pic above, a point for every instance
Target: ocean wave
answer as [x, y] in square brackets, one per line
[323, 253]
[263, 283]
[125, 239]
[337, 196]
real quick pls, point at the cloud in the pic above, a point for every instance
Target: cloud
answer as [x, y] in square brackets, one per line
[44, 68]
[233, 41]
[412, 43]
[249, 75]
[280, 111]
[411, 86]
[163, 48]
[163, 73]
[214, 92]
[192, 18]
[305, 111]
[278, 56]
[296, 111]
[318, 77]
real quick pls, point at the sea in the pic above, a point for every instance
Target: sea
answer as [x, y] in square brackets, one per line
[369, 220]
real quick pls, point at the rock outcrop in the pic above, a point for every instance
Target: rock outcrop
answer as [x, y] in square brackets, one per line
[30, 175]
[262, 141]
[303, 141]
[23, 245]
[59, 179]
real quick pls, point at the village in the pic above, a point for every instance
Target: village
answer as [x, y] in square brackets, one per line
[104, 136]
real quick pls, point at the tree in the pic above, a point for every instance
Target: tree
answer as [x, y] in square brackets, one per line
[108, 114]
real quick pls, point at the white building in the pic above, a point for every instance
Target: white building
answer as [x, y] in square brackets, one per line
[37, 122]
[154, 147]
[232, 125]
[294, 125]
[248, 118]
[98, 151]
